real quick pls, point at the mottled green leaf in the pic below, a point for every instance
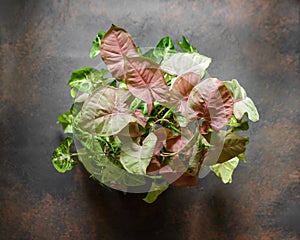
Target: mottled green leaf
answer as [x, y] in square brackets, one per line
[66, 120]
[135, 158]
[164, 46]
[186, 46]
[87, 79]
[242, 103]
[225, 170]
[61, 157]
[95, 49]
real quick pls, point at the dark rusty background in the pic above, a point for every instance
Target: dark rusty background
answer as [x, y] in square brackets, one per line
[43, 41]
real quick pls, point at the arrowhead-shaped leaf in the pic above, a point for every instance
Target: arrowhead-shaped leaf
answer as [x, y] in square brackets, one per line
[233, 146]
[116, 44]
[225, 170]
[106, 112]
[145, 80]
[136, 158]
[180, 63]
[211, 100]
[181, 89]
[242, 103]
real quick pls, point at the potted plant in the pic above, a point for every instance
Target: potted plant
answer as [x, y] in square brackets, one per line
[152, 118]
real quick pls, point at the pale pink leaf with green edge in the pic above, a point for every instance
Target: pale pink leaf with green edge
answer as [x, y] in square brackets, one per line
[211, 100]
[115, 44]
[106, 112]
[181, 89]
[146, 81]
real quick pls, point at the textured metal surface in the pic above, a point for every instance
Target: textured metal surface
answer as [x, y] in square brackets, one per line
[43, 41]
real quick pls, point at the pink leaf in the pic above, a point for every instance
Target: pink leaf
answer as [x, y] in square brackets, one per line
[211, 100]
[132, 130]
[182, 87]
[177, 177]
[145, 80]
[161, 134]
[153, 166]
[176, 144]
[115, 44]
[185, 180]
[140, 117]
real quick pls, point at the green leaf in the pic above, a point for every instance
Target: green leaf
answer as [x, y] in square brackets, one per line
[62, 158]
[164, 46]
[106, 172]
[186, 46]
[95, 49]
[135, 158]
[76, 107]
[87, 79]
[113, 175]
[237, 125]
[88, 140]
[180, 63]
[242, 157]
[225, 170]
[154, 192]
[66, 120]
[242, 103]
[73, 92]
[150, 54]
[233, 146]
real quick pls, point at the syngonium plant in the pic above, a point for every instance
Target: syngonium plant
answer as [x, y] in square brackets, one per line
[151, 119]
